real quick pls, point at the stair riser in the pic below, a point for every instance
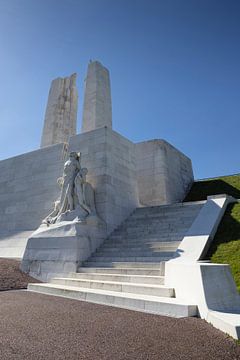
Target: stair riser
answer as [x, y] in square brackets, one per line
[166, 223]
[143, 239]
[150, 230]
[120, 278]
[124, 271]
[115, 259]
[156, 307]
[177, 215]
[141, 289]
[122, 264]
[132, 253]
[146, 246]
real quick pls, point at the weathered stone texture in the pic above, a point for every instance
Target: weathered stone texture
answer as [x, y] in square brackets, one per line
[164, 173]
[97, 108]
[61, 113]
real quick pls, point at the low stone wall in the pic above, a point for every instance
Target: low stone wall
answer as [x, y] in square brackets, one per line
[210, 286]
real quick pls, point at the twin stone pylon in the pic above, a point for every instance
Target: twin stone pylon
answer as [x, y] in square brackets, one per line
[61, 113]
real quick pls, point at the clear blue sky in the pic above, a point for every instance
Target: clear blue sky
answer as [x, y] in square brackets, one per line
[175, 71]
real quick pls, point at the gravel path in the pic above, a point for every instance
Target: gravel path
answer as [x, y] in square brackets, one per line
[11, 277]
[36, 326]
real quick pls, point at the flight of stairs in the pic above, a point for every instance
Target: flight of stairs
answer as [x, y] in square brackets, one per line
[128, 269]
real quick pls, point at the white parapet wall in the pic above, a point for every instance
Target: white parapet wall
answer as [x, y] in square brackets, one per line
[210, 286]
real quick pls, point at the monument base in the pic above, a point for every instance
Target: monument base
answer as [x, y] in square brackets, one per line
[58, 249]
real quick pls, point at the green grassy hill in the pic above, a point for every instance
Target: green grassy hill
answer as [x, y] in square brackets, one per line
[225, 248]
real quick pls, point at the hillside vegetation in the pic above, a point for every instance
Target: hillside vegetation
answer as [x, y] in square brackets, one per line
[225, 248]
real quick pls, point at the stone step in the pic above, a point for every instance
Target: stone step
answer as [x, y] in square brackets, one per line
[146, 228]
[142, 279]
[127, 253]
[122, 264]
[129, 258]
[146, 303]
[158, 245]
[155, 290]
[158, 222]
[141, 238]
[171, 213]
[146, 271]
[170, 207]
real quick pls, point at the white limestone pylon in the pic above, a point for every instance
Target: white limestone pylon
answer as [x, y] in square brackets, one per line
[61, 112]
[97, 108]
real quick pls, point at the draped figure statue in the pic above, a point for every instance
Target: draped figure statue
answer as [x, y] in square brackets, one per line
[77, 198]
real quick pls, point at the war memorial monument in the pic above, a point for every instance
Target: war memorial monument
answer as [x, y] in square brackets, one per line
[99, 218]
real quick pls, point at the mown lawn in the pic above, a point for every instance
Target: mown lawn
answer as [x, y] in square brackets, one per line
[225, 248]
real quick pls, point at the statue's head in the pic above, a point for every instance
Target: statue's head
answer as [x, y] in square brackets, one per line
[74, 155]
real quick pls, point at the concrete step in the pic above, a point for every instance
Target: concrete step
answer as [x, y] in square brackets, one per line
[144, 271]
[132, 259]
[129, 253]
[123, 230]
[142, 279]
[179, 214]
[182, 207]
[163, 223]
[122, 264]
[146, 303]
[155, 290]
[158, 245]
[142, 238]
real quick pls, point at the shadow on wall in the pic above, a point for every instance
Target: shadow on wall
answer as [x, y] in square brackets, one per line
[200, 190]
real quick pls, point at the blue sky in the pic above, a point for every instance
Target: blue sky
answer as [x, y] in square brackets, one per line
[174, 68]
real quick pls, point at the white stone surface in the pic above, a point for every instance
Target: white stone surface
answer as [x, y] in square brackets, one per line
[196, 242]
[111, 164]
[164, 173]
[97, 107]
[60, 248]
[146, 303]
[226, 322]
[28, 190]
[61, 112]
[210, 286]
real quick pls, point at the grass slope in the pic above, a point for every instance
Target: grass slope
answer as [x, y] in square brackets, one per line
[225, 248]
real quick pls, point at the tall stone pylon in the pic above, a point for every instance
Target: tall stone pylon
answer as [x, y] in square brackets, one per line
[61, 112]
[97, 107]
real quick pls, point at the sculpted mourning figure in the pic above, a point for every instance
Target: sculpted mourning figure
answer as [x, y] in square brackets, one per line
[77, 200]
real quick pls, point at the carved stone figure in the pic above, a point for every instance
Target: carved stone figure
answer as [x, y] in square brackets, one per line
[77, 198]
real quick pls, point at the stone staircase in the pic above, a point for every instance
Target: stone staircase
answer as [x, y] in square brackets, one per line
[128, 269]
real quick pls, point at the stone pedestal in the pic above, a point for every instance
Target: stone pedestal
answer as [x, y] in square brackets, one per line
[59, 249]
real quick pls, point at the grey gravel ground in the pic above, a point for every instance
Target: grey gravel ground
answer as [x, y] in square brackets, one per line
[36, 326]
[11, 277]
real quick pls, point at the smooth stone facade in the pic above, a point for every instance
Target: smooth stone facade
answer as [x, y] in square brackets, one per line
[164, 173]
[111, 163]
[61, 112]
[97, 107]
[28, 190]
[119, 172]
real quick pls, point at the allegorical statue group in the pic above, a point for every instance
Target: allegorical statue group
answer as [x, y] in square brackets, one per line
[77, 199]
